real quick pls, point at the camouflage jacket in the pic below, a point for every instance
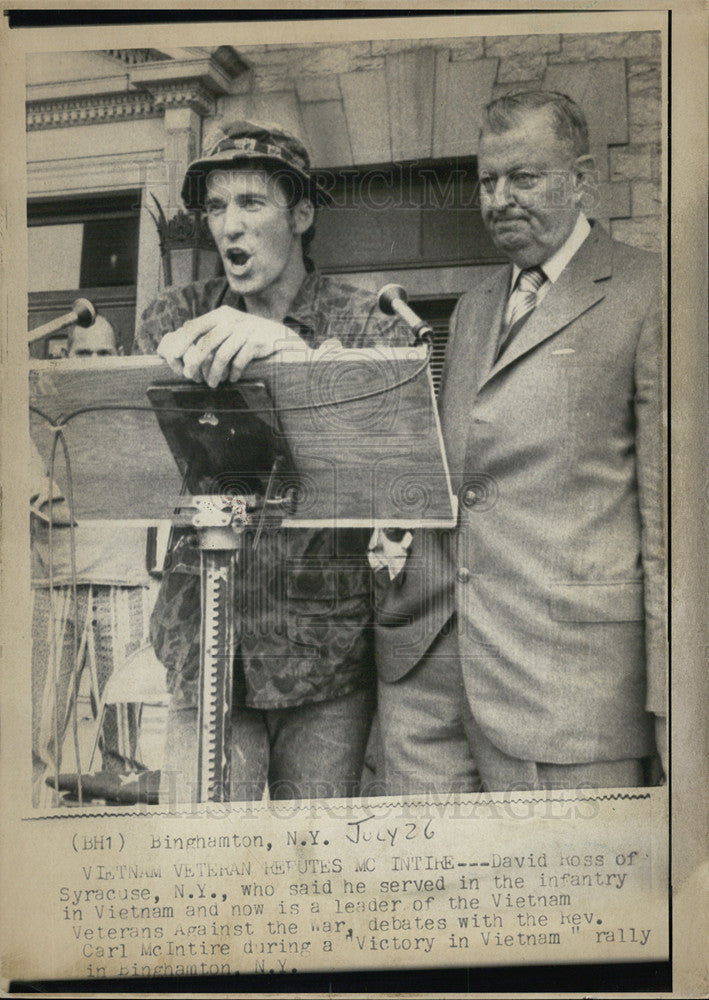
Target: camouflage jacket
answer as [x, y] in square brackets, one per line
[303, 600]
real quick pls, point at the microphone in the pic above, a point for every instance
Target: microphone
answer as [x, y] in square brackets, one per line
[392, 299]
[82, 314]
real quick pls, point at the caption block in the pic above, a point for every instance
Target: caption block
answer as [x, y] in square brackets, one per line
[488, 881]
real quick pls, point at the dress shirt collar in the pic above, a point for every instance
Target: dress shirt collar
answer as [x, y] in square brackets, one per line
[557, 262]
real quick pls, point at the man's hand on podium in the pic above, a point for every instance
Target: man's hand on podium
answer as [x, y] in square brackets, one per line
[221, 343]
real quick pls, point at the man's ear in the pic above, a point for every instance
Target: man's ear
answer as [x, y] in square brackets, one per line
[584, 165]
[302, 216]
[586, 182]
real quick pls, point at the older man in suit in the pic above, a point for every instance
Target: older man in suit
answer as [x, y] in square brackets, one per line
[526, 649]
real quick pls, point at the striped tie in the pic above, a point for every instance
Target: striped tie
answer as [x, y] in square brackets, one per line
[522, 301]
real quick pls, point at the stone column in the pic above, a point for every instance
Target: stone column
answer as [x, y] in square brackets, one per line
[185, 89]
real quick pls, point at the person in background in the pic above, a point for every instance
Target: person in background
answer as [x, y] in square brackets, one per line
[108, 622]
[527, 648]
[100, 340]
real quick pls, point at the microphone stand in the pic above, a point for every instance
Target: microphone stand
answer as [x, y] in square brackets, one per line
[393, 299]
[83, 313]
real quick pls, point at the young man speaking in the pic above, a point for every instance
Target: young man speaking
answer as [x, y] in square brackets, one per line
[304, 674]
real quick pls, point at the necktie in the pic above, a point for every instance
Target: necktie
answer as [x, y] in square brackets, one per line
[521, 304]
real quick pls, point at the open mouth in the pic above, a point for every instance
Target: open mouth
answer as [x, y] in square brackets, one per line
[238, 258]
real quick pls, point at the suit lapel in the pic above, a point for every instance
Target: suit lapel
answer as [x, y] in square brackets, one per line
[485, 324]
[576, 290]
[470, 355]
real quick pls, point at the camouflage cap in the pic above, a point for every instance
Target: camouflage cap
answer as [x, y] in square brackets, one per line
[243, 140]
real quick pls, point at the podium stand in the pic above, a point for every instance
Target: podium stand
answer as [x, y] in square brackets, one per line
[347, 439]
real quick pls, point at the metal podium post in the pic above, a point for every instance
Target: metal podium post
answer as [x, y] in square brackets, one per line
[219, 542]
[221, 526]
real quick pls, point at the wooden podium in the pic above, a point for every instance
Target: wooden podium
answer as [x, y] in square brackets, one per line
[353, 439]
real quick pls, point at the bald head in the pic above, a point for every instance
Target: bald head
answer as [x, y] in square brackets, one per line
[95, 341]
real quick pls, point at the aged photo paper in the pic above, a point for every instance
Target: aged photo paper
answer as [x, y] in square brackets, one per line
[104, 885]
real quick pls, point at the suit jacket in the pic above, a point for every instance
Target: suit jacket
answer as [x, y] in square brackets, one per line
[556, 568]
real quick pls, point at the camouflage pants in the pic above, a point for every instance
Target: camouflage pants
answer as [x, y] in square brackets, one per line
[309, 751]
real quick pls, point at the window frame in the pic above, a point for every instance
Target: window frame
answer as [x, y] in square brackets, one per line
[112, 301]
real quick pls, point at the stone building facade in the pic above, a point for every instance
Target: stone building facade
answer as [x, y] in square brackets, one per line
[109, 132]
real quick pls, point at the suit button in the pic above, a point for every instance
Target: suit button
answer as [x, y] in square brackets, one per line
[463, 574]
[472, 496]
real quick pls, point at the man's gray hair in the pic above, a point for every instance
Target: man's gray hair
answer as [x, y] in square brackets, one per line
[570, 123]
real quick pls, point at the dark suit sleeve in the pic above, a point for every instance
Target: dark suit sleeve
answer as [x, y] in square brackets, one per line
[649, 414]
